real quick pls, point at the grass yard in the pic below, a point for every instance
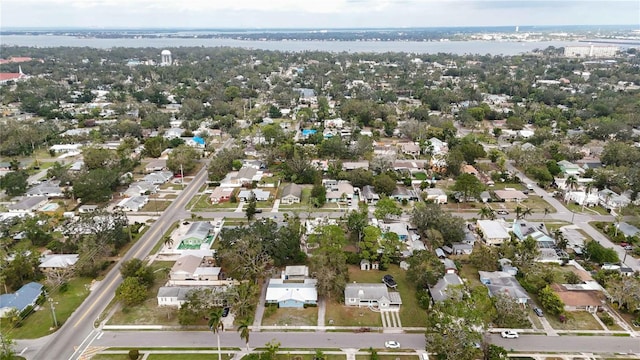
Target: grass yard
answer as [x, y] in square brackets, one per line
[595, 210]
[39, 322]
[291, 317]
[388, 357]
[410, 313]
[110, 357]
[187, 356]
[155, 206]
[351, 316]
[420, 176]
[576, 320]
[290, 356]
[148, 313]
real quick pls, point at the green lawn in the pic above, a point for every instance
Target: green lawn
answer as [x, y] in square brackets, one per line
[342, 315]
[388, 357]
[410, 313]
[595, 210]
[291, 317]
[420, 176]
[148, 313]
[576, 320]
[191, 356]
[39, 323]
[202, 203]
[156, 206]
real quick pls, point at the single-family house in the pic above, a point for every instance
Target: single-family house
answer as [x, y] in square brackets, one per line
[509, 195]
[27, 204]
[369, 195]
[401, 193]
[156, 165]
[221, 194]
[295, 273]
[469, 169]
[353, 165]
[140, 188]
[399, 228]
[193, 268]
[175, 296]
[292, 294]
[291, 194]
[410, 148]
[577, 299]
[485, 197]
[373, 296]
[499, 282]
[134, 203]
[197, 233]
[448, 287]
[85, 209]
[20, 300]
[57, 262]
[436, 195]
[158, 177]
[611, 200]
[77, 166]
[494, 232]
[628, 230]
[449, 266]
[65, 148]
[339, 191]
[50, 189]
[337, 123]
[461, 249]
[173, 133]
[570, 169]
[258, 194]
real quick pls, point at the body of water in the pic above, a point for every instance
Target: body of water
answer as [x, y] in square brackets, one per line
[453, 47]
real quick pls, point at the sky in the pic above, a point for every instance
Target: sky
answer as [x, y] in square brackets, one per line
[317, 14]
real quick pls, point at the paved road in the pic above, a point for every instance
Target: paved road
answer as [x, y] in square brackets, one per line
[78, 331]
[313, 340]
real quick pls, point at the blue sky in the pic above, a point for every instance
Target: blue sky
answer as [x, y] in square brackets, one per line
[313, 13]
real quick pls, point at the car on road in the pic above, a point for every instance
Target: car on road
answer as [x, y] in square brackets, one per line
[538, 312]
[389, 281]
[502, 212]
[258, 211]
[509, 334]
[628, 247]
[392, 344]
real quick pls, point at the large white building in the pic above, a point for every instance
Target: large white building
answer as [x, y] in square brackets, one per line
[593, 51]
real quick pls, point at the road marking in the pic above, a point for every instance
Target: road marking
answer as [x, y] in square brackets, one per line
[104, 292]
[100, 336]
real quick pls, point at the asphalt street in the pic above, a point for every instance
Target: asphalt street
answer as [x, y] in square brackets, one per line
[78, 331]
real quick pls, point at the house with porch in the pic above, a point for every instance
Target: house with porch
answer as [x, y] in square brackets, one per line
[494, 232]
[291, 194]
[435, 195]
[292, 294]
[448, 287]
[20, 300]
[370, 295]
[500, 282]
[575, 298]
[369, 195]
[221, 194]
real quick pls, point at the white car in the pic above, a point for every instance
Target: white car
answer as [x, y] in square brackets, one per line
[509, 334]
[391, 344]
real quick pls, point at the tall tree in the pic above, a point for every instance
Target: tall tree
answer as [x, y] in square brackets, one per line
[244, 328]
[183, 159]
[216, 325]
[14, 183]
[469, 186]
[385, 208]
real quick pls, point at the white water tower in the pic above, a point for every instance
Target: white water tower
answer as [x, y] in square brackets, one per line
[165, 58]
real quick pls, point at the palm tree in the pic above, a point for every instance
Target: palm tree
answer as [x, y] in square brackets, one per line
[244, 329]
[546, 212]
[587, 189]
[618, 217]
[561, 240]
[216, 325]
[519, 211]
[526, 212]
[571, 184]
[168, 241]
[487, 213]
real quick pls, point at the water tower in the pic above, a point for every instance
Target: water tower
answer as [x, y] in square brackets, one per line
[165, 58]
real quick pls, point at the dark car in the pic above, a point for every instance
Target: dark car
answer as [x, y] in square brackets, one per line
[225, 311]
[538, 312]
[258, 211]
[389, 281]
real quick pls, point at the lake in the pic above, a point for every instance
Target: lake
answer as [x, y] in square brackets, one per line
[453, 47]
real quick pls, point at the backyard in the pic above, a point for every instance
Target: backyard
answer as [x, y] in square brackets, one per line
[410, 313]
[290, 316]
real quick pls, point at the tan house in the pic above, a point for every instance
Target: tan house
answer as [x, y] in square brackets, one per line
[291, 194]
[576, 299]
[196, 270]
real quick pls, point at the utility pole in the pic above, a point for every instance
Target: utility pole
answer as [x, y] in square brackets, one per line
[53, 311]
[181, 177]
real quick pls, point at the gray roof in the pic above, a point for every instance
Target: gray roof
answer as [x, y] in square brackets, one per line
[292, 189]
[366, 291]
[45, 188]
[199, 229]
[159, 177]
[61, 261]
[181, 292]
[500, 282]
[369, 193]
[27, 203]
[439, 290]
[135, 203]
[628, 229]
[25, 296]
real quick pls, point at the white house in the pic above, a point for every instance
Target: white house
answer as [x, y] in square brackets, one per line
[372, 295]
[134, 203]
[259, 194]
[494, 232]
[292, 294]
[291, 194]
[437, 196]
[28, 204]
[158, 177]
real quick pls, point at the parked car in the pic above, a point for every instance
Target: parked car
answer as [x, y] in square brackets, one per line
[258, 211]
[509, 334]
[628, 247]
[225, 311]
[389, 281]
[538, 312]
[502, 212]
[392, 344]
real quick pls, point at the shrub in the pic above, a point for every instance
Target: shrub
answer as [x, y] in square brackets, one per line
[134, 354]
[606, 319]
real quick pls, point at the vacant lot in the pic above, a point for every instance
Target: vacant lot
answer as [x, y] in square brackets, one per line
[342, 315]
[576, 320]
[410, 313]
[156, 206]
[291, 317]
[148, 313]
